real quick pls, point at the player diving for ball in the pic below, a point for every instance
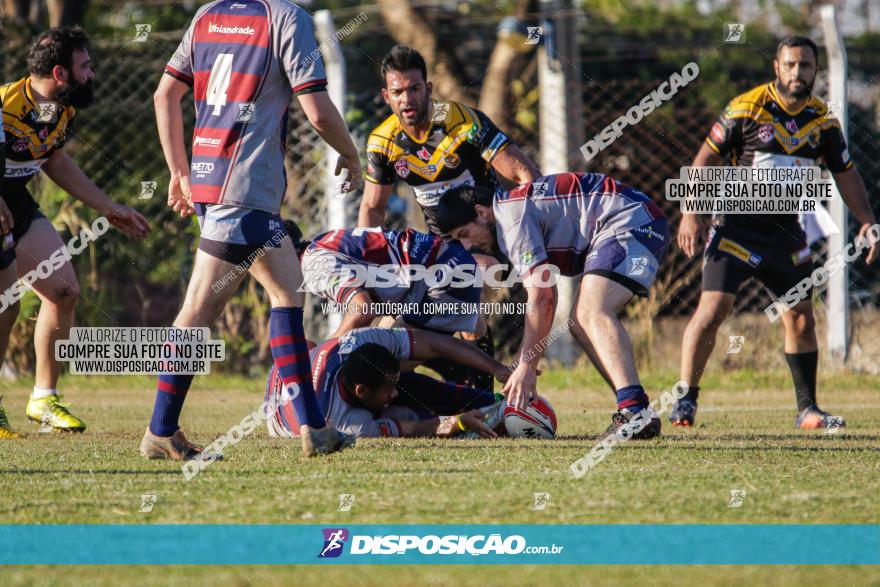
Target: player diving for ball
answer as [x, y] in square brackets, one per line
[364, 389]
[243, 84]
[38, 114]
[585, 224]
[341, 266]
[433, 145]
[781, 123]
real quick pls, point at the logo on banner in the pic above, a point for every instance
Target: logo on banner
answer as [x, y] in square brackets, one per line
[334, 540]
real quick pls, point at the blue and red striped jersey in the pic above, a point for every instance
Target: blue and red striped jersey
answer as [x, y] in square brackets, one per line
[245, 59]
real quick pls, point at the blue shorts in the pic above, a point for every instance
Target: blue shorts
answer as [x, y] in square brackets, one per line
[631, 258]
[235, 234]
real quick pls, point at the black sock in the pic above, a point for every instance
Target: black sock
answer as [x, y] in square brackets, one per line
[803, 371]
[693, 393]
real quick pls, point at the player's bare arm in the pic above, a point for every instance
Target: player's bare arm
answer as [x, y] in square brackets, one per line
[692, 229]
[328, 123]
[852, 189]
[62, 170]
[521, 388]
[372, 210]
[513, 164]
[169, 120]
[357, 314]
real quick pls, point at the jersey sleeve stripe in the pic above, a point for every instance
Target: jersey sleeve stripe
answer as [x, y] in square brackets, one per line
[178, 75]
[309, 84]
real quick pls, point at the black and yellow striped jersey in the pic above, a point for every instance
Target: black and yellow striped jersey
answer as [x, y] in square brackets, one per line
[34, 130]
[458, 150]
[756, 130]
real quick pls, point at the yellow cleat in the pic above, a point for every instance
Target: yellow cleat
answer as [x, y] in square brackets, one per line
[6, 432]
[51, 413]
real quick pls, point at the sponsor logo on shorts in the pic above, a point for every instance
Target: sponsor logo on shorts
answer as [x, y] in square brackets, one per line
[740, 252]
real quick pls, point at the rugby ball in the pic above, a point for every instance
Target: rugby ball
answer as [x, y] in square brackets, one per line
[538, 420]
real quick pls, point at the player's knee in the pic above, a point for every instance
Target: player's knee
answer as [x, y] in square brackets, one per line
[593, 318]
[64, 296]
[801, 321]
[710, 316]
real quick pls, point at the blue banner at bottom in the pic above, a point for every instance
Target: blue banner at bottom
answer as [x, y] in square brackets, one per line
[439, 544]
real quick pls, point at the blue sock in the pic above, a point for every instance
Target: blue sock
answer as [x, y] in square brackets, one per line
[632, 397]
[291, 354]
[170, 393]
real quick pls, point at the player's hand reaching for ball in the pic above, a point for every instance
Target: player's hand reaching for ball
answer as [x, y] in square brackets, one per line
[522, 387]
[354, 180]
[473, 421]
[179, 196]
[874, 247]
[6, 221]
[129, 221]
[690, 232]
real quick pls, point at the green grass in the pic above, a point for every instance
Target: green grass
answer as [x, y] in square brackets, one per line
[745, 440]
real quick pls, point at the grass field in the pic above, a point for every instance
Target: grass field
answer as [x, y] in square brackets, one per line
[744, 440]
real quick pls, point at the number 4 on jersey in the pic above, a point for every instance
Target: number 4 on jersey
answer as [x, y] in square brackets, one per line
[218, 82]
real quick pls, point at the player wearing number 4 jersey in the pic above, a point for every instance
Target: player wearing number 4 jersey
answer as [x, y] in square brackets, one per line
[244, 60]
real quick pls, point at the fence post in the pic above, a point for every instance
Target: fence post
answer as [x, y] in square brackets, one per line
[338, 215]
[837, 293]
[557, 115]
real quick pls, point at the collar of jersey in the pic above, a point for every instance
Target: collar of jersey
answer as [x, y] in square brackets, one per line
[778, 100]
[428, 136]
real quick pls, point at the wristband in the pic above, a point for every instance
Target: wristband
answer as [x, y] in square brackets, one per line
[460, 425]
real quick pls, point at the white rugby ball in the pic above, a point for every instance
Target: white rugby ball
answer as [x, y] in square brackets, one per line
[538, 420]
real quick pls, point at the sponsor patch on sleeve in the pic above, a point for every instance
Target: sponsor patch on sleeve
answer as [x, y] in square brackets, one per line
[718, 133]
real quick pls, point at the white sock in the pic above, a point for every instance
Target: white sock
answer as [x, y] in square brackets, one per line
[40, 393]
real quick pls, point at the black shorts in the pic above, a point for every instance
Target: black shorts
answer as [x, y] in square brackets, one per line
[24, 211]
[732, 257]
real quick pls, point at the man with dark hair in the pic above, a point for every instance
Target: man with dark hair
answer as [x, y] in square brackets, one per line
[38, 112]
[366, 391]
[433, 145]
[777, 124]
[582, 224]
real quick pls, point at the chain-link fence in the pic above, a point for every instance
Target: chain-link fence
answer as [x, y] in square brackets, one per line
[115, 143]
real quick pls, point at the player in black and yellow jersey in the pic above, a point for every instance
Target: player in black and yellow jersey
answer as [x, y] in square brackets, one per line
[433, 145]
[38, 111]
[780, 123]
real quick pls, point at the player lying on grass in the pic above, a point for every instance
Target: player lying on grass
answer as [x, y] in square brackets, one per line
[342, 266]
[363, 391]
[777, 124]
[38, 113]
[585, 224]
[433, 145]
[238, 184]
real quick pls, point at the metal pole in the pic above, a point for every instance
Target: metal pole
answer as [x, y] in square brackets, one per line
[334, 63]
[837, 293]
[555, 137]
